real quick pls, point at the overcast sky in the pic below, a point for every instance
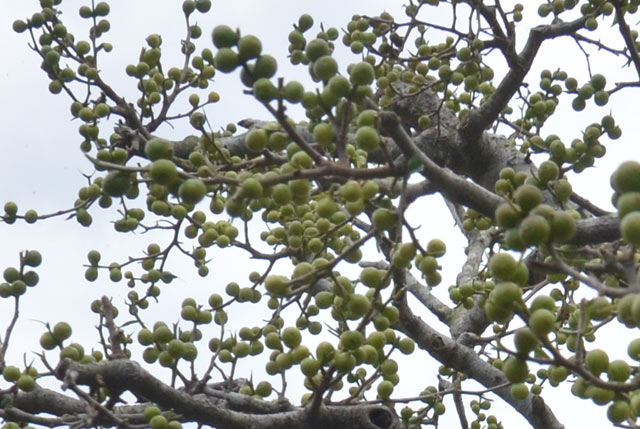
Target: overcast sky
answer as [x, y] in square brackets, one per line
[41, 165]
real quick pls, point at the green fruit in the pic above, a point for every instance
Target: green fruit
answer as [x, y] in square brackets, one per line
[19, 26]
[597, 361]
[505, 294]
[264, 90]
[503, 265]
[548, 171]
[316, 49]
[627, 177]
[358, 305]
[61, 331]
[162, 334]
[251, 188]
[344, 361]
[527, 197]
[534, 230]
[192, 191]
[305, 22]
[507, 216]
[563, 227]
[384, 219]
[367, 138]
[618, 370]
[324, 134]
[11, 373]
[291, 337]
[516, 370]
[145, 337]
[48, 341]
[293, 91]
[249, 47]
[265, 67]
[619, 411]
[541, 322]
[350, 191]
[224, 36]
[627, 203]
[325, 68]
[33, 258]
[276, 284]
[158, 422]
[362, 74]
[163, 171]
[310, 367]
[339, 86]
[26, 383]
[519, 391]
[116, 183]
[436, 247]
[525, 340]
[263, 389]
[385, 389]
[226, 60]
[630, 228]
[157, 148]
[598, 82]
[351, 340]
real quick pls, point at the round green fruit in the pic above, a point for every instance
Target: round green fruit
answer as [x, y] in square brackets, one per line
[618, 370]
[541, 322]
[291, 337]
[516, 370]
[367, 138]
[163, 171]
[436, 247]
[384, 219]
[630, 228]
[534, 230]
[385, 389]
[505, 294]
[324, 134]
[528, 197]
[48, 341]
[33, 258]
[26, 383]
[224, 36]
[61, 331]
[362, 73]
[627, 177]
[11, 373]
[249, 47]
[116, 183]
[507, 215]
[157, 148]
[226, 60]
[525, 340]
[325, 68]
[503, 266]
[627, 203]
[619, 411]
[597, 361]
[192, 191]
[316, 49]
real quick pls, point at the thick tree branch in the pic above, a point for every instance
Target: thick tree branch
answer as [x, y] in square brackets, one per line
[464, 359]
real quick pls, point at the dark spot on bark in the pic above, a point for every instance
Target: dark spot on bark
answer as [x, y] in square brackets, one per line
[381, 418]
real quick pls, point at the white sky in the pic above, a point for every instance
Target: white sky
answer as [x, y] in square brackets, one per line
[41, 165]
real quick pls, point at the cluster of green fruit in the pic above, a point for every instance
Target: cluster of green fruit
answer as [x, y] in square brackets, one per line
[473, 219]
[478, 408]
[528, 222]
[24, 380]
[167, 348]
[16, 280]
[589, 9]
[54, 338]
[11, 214]
[626, 183]
[598, 363]
[157, 420]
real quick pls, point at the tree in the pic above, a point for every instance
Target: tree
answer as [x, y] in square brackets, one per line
[321, 194]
